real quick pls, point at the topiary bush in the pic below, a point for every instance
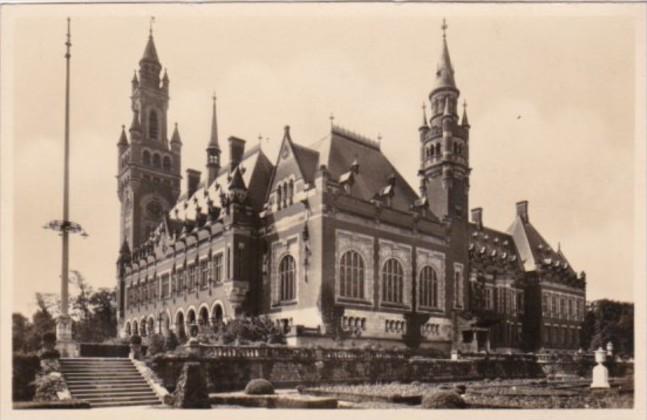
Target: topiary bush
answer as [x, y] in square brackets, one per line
[443, 399]
[259, 386]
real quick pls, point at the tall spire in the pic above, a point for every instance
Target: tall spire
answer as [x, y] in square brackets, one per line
[213, 141]
[150, 52]
[424, 125]
[445, 71]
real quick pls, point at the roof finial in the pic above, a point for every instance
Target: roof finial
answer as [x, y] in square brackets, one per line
[444, 28]
[379, 138]
[424, 114]
[213, 141]
[332, 119]
[150, 26]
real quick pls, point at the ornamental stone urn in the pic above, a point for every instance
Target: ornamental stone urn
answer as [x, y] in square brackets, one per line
[600, 372]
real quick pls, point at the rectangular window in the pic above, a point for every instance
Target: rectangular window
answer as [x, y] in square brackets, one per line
[544, 304]
[228, 263]
[204, 273]
[180, 282]
[165, 286]
[553, 306]
[217, 269]
[458, 285]
[488, 298]
[521, 302]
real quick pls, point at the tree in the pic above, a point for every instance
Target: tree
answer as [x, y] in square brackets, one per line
[607, 320]
[21, 331]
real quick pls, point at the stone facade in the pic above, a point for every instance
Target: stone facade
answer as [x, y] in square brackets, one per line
[330, 241]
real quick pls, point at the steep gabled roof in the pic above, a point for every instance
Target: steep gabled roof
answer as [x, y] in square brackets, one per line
[533, 249]
[256, 186]
[494, 248]
[341, 148]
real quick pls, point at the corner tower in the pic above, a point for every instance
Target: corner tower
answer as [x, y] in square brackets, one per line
[149, 170]
[444, 163]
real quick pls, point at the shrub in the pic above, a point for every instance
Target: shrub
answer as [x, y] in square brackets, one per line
[259, 386]
[171, 342]
[460, 389]
[301, 388]
[49, 339]
[25, 367]
[443, 399]
[136, 340]
[47, 386]
[155, 344]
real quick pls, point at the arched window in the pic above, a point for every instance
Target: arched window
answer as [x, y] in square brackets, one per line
[146, 157]
[279, 197]
[392, 281]
[285, 196]
[430, 151]
[166, 163]
[351, 275]
[156, 161]
[428, 288]
[287, 271]
[291, 192]
[153, 128]
[438, 149]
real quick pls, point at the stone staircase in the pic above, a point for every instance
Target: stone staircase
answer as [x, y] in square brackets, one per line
[107, 382]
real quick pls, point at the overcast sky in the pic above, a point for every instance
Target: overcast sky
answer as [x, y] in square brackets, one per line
[550, 99]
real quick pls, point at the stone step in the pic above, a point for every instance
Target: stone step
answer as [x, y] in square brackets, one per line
[103, 375]
[88, 382]
[125, 403]
[84, 394]
[98, 390]
[132, 371]
[126, 398]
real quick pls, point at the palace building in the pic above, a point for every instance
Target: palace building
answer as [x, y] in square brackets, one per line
[329, 240]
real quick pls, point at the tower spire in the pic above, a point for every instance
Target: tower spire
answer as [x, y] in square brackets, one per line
[445, 71]
[213, 141]
[213, 148]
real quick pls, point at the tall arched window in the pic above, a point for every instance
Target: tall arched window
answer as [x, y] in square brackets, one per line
[438, 149]
[291, 192]
[428, 288]
[285, 196]
[166, 163]
[279, 197]
[153, 125]
[146, 157]
[156, 160]
[351, 275]
[392, 281]
[287, 274]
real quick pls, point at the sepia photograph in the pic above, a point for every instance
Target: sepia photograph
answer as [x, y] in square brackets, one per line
[329, 206]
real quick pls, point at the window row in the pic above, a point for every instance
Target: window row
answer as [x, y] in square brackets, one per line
[505, 300]
[284, 194]
[155, 160]
[556, 336]
[561, 306]
[201, 275]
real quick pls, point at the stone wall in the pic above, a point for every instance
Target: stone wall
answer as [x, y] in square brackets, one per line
[230, 368]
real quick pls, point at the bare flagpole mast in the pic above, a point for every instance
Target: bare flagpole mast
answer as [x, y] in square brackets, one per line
[66, 181]
[66, 344]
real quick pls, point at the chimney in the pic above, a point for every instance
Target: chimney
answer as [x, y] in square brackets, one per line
[236, 150]
[192, 181]
[522, 210]
[477, 217]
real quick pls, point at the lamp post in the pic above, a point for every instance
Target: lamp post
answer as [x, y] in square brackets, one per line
[65, 344]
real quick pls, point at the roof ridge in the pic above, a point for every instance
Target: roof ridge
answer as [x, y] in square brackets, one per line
[354, 136]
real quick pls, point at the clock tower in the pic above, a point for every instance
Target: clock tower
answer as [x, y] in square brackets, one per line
[149, 170]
